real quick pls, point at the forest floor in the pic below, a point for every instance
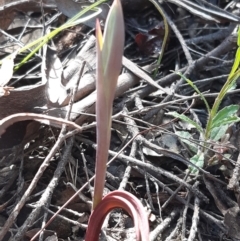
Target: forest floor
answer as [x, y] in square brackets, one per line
[188, 184]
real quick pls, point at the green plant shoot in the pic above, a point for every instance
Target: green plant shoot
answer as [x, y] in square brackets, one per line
[218, 121]
[109, 61]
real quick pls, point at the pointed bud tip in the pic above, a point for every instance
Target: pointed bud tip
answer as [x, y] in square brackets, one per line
[99, 36]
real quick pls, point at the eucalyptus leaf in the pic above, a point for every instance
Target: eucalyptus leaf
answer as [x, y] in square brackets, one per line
[185, 118]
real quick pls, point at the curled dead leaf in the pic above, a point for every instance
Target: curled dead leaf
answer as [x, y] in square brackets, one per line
[4, 91]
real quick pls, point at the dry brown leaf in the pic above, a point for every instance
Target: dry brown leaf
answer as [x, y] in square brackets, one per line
[54, 69]
[4, 91]
[8, 9]
[71, 8]
[206, 10]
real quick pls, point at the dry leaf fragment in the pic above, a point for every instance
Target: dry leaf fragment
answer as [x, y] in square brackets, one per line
[71, 8]
[4, 91]
[6, 70]
[56, 92]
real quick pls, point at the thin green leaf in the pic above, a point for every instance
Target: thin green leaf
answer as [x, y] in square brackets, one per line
[234, 77]
[224, 114]
[71, 22]
[186, 119]
[218, 132]
[236, 63]
[196, 89]
[238, 40]
[237, 57]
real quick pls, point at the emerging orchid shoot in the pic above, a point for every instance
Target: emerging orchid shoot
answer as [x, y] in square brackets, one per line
[109, 61]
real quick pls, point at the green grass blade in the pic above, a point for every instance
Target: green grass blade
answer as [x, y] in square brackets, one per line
[70, 23]
[186, 119]
[197, 90]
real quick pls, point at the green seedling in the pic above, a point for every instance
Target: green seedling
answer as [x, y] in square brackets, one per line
[109, 63]
[218, 120]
